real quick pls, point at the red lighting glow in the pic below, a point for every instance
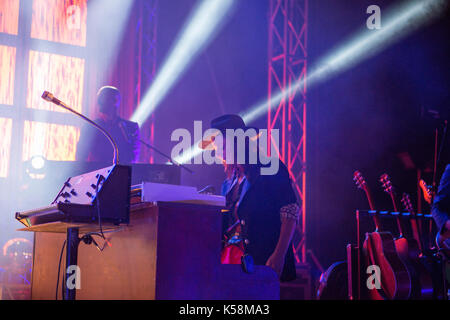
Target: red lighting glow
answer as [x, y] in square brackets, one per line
[52, 141]
[61, 75]
[5, 145]
[7, 66]
[60, 21]
[9, 16]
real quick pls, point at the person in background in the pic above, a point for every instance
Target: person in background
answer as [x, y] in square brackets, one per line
[265, 205]
[441, 210]
[93, 146]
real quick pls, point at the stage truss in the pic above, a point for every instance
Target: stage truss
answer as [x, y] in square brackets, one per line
[288, 24]
[146, 65]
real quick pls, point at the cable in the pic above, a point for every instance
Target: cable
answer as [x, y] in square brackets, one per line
[88, 239]
[59, 270]
[437, 155]
[85, 239]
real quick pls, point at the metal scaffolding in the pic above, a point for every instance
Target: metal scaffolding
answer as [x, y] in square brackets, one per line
[146, 29]
[288, 22]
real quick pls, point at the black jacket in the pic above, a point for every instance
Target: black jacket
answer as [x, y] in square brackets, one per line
[441, 204]
[94, 146]
[259, 208]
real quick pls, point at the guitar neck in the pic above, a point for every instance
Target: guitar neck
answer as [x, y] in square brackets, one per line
[416, 226]
[369, 198]
[394, 201]
[400, 226]
[376, 219]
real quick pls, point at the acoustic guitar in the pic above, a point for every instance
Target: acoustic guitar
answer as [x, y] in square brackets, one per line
[405, 242]
[408, 247]
[426, 289]
[379, 249]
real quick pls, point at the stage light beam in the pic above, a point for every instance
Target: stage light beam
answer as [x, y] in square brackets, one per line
[190, 154]
[110, 18]
[196, 34]
[396, 24]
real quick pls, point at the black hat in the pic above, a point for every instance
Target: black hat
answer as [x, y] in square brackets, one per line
[222, 123]
[228, 121]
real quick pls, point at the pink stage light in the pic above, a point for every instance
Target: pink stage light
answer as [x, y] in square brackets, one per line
[5, 145]
[52, 141]
[60, 21]
[7, 67]
[9, 16]
[58, 74]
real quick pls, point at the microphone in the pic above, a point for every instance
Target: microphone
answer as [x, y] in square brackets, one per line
[51, 98]
[47, 96]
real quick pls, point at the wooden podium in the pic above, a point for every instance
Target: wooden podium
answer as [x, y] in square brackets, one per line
[168, 251]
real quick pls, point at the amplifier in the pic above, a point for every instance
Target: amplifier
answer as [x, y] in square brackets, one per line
[103, 193]
[34, 192]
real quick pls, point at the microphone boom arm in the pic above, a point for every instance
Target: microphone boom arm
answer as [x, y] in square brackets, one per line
[49, 97]
[165, 156]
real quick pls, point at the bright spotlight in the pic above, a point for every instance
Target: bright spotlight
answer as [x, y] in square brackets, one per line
[37, 162]
[110, 18]
[185, 157]
[35, 167]
[396, 23]
[195, 35]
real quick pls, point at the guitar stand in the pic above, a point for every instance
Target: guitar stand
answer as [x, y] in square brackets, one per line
[354, 264]
[357, 289]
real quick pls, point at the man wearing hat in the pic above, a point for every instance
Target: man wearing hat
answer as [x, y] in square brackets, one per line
[93, 145]
[265, 205]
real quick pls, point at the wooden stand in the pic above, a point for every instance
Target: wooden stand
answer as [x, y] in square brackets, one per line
[168, 251]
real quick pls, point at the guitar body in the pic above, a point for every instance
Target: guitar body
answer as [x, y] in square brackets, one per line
[409, 245]
[407, 248]
[380, 250]
[421, 280]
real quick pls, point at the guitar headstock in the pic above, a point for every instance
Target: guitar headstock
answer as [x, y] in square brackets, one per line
[361, 184]
[359, 180]
[406, 202]
[427, 191]
[386, 183]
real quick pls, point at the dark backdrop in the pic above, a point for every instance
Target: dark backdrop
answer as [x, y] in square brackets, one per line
[360, 119]
[365, 117]
[228, 76]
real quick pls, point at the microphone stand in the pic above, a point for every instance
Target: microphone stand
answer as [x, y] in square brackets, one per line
[437, 156]
[72, 233]
[165, 156]
[49, 97]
